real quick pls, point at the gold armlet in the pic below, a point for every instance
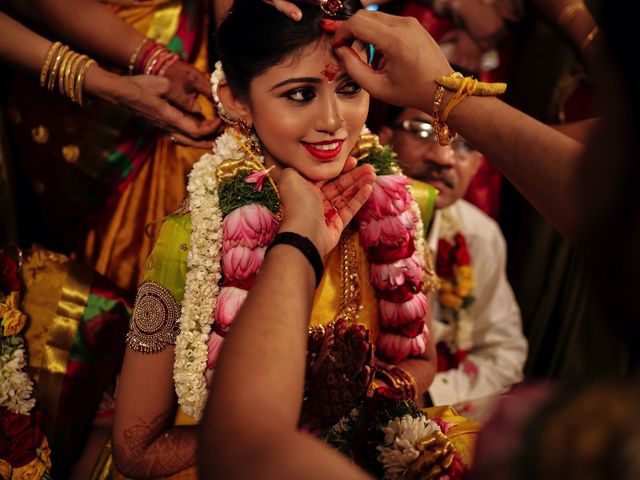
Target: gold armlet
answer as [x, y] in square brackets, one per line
[154, 323]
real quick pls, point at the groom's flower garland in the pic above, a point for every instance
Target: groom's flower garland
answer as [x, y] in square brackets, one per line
[229, 252]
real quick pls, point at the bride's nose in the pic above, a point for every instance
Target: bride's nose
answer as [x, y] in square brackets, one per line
[329, 117]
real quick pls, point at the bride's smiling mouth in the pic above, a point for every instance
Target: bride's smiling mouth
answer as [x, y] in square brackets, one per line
[326, 150]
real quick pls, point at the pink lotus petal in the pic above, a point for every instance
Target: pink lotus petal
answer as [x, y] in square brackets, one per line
[250, 226]
[394, 314]
[230, 300]
[388, 276]
[242, 262]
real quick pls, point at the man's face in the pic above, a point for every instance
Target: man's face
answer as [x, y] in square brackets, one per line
[449, 168]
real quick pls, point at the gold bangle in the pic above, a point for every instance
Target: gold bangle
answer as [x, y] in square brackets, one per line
[444, 135]
[589, 38]
[387, 377]
[73, 77]
[64, 74]
[411, 387]
[82, 71]
[61, 69]
[54, 69]
[44, 71]
[570, 11]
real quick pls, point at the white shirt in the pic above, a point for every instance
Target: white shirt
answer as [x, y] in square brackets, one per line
[499, 348]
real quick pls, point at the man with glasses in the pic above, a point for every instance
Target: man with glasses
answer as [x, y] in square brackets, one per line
[476, 322]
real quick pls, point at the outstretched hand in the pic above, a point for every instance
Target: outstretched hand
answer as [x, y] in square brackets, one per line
[322, 211]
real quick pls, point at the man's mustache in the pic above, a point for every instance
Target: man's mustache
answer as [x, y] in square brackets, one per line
[445, 176]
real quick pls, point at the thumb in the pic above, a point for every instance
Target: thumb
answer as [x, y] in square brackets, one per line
[358, 70]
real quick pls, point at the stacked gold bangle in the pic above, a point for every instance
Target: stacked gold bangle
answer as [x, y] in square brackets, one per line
[464, 87]
[400, 379]
[65, 69]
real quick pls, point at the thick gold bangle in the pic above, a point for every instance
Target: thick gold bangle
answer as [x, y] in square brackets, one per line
[570, 11]
[589, 38]
[411, 387]
[44, 72]
[444, 135]
[386, 376]
[51, 82]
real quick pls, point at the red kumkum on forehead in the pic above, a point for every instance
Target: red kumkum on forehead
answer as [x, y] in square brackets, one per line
[330, 71]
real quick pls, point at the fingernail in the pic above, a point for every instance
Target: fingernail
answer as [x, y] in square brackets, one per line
[295, 16]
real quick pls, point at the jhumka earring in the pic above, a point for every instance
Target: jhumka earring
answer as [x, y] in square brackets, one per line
[252, 142]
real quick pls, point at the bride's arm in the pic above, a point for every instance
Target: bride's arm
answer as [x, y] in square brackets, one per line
[145, 441]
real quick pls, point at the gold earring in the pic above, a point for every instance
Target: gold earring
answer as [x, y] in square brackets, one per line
[252, 142]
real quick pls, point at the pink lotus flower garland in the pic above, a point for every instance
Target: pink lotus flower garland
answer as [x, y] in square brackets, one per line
[246, 232]
[387, 227]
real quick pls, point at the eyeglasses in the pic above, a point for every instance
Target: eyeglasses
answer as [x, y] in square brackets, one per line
[423, 131]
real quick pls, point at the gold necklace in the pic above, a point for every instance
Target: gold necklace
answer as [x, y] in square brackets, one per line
[350, 306]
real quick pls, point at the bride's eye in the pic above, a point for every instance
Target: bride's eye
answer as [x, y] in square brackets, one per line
[350, 88]
[301, 94]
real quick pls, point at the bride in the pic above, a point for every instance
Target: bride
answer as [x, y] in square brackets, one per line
[287, 103]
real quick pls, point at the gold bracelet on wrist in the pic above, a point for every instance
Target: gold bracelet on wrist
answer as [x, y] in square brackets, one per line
[409, 383]
[54, 68]
[44, 72]
[444, 135]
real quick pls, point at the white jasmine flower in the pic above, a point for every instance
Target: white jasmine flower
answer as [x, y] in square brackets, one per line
[401, 439]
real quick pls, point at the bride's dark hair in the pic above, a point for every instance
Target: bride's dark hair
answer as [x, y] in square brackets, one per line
[255, 36]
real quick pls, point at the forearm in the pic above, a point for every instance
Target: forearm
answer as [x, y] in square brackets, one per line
[86, 24]
[270, 329]
[540, 161]
[20, 46]
[144, 452]
[145, 441]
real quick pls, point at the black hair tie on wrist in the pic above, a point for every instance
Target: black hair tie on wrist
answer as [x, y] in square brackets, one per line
[307, 248]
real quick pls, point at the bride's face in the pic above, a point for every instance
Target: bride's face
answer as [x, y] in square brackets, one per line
[308, 113]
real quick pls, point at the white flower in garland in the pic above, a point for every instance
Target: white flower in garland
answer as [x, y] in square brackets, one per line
[203, 276]
[16, 385]
[402, 437]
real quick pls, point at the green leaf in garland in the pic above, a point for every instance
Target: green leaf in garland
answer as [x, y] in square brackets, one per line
[235, 193]
[383, 161]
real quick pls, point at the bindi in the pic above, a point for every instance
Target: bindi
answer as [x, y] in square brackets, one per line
[330, 71]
